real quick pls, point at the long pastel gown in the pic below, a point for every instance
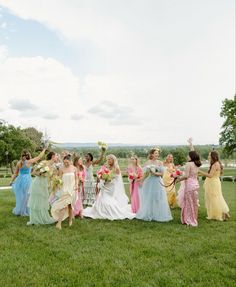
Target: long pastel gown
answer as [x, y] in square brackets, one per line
[68, 196]
[134, 187]
[38, 202]
[110, 203]
[21, 188]
[170, 189]
[78, 208]
[188, 196]
[214, 200]
[89, 187]
[153, 200]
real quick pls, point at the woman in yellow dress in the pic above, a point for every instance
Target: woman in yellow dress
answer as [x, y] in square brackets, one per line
[167, 180]
[216, 206]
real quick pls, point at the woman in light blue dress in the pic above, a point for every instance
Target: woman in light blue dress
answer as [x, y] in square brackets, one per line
[153, 199]
[21, 182]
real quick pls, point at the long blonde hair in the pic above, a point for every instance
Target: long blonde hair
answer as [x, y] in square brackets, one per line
[116, 165]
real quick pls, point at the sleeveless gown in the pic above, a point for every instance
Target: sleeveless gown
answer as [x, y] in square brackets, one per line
[78, 208]
[38, 202]
[67, 196]
[134, 188]
[89, 187]
[170, 189]
[214, 200]
[153, 200]
[21, 188]
[108, 205]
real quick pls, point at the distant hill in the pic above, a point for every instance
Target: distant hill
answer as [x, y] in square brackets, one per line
[90, 145]
[111, 145]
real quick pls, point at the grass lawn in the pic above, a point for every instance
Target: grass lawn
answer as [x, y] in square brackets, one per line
[119, 253]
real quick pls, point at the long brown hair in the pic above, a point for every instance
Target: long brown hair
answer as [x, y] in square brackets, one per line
[151, 152]
[25, 155]
[75, 163]
[215, 158]
[194, 157]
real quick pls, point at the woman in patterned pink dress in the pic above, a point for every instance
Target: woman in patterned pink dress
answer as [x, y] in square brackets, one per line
[134, 174]
[188, 199]
[78, 208]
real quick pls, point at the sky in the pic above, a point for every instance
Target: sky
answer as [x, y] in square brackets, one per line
[120, 71]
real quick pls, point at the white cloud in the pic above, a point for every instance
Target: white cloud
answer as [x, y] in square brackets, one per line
[164, 64]
[21, 105]
[115, 114]
[77, 117]
[50, 116]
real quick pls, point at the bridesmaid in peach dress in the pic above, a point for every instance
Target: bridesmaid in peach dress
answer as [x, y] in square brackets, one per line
[167, 180]
[188, 198]
[78, 208]
[134, 174]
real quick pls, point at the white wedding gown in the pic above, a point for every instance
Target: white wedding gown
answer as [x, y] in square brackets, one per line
[111, 202]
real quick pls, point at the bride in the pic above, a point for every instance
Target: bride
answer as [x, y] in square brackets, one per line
[111, 202]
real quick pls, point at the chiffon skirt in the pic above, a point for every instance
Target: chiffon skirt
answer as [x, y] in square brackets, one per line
[38, 202]
[214, 200]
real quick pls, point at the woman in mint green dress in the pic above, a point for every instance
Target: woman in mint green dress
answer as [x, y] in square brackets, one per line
[39, 194]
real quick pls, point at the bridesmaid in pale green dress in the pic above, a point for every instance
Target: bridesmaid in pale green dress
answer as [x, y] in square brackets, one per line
[39, 194]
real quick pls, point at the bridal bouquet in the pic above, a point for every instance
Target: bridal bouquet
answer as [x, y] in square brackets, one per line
[132, 175]
[150, 169]
[176, 174]
[56, 182]
[55, 186]
[105, 174]
[41, 169]
[103, 146]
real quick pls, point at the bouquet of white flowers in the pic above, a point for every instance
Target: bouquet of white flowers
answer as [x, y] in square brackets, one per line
[41, 169]
[103, 146]
[151, 169]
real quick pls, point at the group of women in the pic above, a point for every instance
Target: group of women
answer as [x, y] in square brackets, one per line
[152, 189]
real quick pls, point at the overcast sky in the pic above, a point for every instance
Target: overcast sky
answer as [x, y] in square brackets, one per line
[130, 71]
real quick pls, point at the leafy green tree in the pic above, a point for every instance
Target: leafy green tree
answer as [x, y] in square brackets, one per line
[228, 134]
[12, 142]
[35, 136]
[180, 156]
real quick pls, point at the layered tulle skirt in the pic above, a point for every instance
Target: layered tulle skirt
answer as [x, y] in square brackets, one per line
[153, 201]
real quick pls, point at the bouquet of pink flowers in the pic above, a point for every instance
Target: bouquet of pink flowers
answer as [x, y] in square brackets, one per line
[176, 174]
[105, 174]
[133, 175]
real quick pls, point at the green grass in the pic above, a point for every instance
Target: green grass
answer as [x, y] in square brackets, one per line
[119, 253]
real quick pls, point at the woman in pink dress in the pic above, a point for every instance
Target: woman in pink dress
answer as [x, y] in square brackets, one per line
[188, 197]
[78, 208]
[134, 174]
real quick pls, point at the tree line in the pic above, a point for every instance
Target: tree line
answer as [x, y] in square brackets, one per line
[14, 139]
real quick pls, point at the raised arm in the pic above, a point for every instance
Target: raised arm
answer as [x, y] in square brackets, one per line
[97, 161]
[37, 158]
[191, 147]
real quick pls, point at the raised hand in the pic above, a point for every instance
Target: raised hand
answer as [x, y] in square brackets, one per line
[190, 141]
